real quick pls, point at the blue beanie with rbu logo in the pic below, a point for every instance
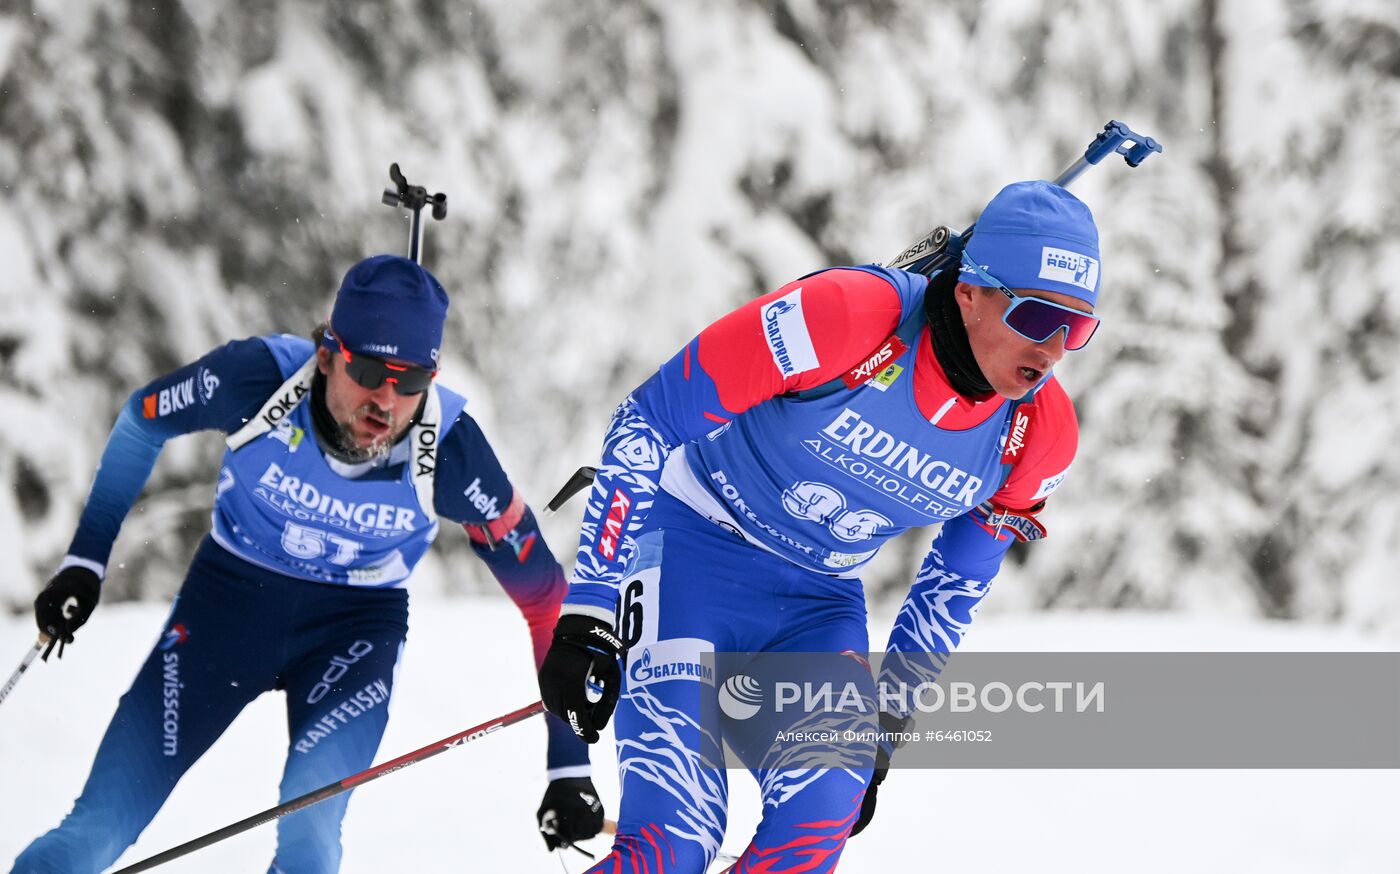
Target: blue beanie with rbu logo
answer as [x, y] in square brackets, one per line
[390, 307]
[1037, 235]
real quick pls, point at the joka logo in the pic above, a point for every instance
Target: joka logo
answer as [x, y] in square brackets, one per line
[425, 453]
[741, 697]
[284, 403]
[176, 635]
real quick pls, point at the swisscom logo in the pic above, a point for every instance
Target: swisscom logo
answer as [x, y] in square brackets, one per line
[176, 635]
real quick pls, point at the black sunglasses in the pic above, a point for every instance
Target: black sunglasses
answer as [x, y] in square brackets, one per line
[370, 372]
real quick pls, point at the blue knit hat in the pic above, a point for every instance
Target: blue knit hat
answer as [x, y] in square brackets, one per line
[390, 307]
[1037, 235]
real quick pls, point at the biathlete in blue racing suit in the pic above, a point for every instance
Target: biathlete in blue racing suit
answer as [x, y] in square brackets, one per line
[341, 455]
[745, 485]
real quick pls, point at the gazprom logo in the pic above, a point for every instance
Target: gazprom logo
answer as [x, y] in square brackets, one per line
[1062, 265]
[785, 331]
[645, 670]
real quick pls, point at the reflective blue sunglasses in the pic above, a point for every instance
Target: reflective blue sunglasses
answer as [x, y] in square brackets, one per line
[1037, 320]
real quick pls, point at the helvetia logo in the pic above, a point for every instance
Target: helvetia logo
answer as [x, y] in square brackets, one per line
[741, 697]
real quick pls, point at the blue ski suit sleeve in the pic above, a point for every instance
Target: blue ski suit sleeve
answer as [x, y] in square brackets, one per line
[472, 488]
[948, 590]
[667, 410]
[219, 391]
[624, 488]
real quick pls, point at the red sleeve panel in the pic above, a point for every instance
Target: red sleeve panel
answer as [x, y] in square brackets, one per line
[1051, 441]
[802, 335]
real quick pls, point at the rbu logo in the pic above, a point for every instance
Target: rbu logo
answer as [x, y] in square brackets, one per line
[1062, 265]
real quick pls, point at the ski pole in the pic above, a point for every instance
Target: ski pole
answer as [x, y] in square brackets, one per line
[941, 247]
[29, 657]
[581, 478]
[335, 789]
[413, 197]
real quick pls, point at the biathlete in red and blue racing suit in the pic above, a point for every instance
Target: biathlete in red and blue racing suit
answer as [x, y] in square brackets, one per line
[300, 585]
[746, 484]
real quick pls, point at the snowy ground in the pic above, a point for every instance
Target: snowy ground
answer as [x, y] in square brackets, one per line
[472, 809]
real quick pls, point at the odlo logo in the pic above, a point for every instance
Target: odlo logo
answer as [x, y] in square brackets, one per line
[741, 697]
[339, 665]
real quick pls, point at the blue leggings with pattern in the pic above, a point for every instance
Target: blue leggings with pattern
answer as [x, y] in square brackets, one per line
[698, 588]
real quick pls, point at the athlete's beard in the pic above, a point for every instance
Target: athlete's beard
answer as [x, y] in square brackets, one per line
[352, 450]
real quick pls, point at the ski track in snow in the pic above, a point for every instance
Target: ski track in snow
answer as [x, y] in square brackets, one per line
[472, 809]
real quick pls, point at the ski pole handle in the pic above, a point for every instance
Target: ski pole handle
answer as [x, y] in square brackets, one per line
[941, 247]
[1115, 138]
[413, 197]
[581, 479]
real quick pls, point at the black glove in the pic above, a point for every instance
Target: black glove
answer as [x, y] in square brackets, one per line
[888, 723]
[65, 604]
[583, 648]
[570, 812]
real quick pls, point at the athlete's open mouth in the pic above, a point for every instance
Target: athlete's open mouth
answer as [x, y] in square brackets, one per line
[1030, 374]
[374, 424]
